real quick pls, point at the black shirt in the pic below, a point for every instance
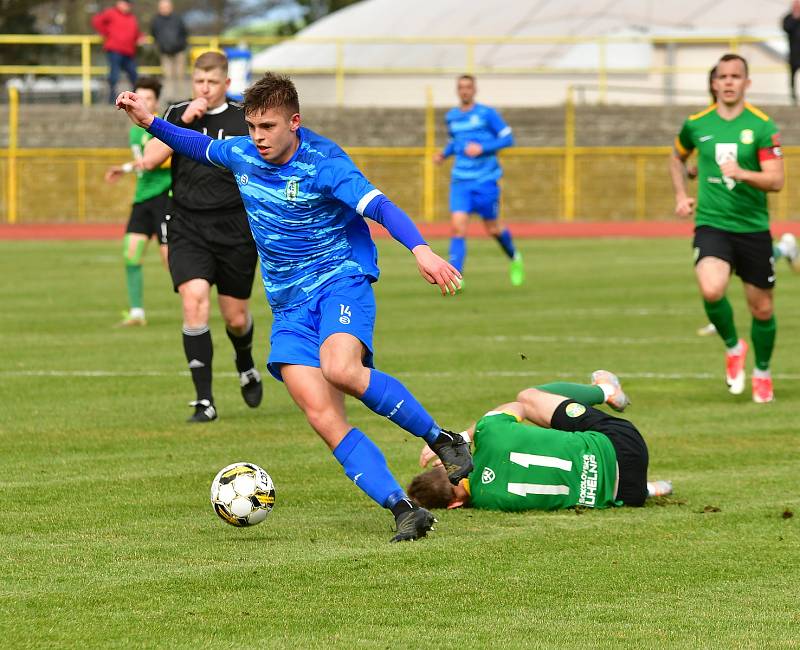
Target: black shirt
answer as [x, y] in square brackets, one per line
[169, 33]
[200, 188]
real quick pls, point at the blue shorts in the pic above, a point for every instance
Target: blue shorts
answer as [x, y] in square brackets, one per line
[481, 198]
[345, 305]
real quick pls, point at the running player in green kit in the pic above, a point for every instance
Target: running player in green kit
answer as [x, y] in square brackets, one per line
[148, 213]
[739, 161]
[571, 455]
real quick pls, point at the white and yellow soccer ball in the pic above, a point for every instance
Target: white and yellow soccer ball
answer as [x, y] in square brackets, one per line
[242, 494]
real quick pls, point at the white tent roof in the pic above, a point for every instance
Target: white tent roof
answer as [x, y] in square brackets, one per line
[489, 18]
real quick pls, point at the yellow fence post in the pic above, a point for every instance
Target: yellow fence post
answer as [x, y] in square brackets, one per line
[81, 190]
[641, 189]
[86, 70]
[470, 43]
[602, 72]
[569, 155]
[13, 127]
[339, 73]
[429, 181]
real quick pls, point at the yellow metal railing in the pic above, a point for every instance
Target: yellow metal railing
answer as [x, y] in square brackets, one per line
[340, 70]
[541, 183]
[606, 184]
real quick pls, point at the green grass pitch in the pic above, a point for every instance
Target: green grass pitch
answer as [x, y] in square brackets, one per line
[107, 538]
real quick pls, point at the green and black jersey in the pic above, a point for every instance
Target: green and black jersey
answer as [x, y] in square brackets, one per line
[148, 183]
[525, 467]
[749, 139]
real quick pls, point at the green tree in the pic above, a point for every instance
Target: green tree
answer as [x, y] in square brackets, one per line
[317, 9]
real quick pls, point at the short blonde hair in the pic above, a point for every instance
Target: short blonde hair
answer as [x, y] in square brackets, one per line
[212, 61]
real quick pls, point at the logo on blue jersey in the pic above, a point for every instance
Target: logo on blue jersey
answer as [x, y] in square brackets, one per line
[243, 179]
[345, 316]
[291, 190]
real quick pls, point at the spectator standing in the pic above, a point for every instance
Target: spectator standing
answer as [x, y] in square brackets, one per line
[120, 31]
[791, 25]
[170, 35]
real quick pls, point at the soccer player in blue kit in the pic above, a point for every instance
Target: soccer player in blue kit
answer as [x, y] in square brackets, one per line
[477, 133]
[306, 202]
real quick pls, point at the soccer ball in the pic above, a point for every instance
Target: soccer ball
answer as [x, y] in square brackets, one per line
[242, 494]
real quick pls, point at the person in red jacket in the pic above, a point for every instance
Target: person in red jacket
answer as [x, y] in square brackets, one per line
[120, 31]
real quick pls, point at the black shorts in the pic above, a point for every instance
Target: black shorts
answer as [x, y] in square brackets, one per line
[748, 253]
[219, 249]
[631, 449]
[149, 217]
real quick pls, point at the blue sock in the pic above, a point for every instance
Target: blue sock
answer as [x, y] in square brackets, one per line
[504, 239]
[458, 252]
[388, 397]
[366, 466]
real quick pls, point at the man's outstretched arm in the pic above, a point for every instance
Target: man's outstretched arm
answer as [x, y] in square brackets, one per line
[400, 226]
[186, 142]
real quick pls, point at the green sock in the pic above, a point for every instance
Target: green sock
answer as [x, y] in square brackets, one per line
[720, 313]
[586, 395]
[776, 252]
[763, 335]
[133, 277]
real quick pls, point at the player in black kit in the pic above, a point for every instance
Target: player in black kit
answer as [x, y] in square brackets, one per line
[209, 237]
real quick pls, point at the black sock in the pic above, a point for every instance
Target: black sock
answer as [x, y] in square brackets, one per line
[404, 505]
[243, 345]
[199, 352]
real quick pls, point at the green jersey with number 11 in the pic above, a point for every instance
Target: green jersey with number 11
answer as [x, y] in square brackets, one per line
[524, 467]
[749, 139]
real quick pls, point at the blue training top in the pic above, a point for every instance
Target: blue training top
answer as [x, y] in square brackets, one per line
[483, 125]
[306, 215]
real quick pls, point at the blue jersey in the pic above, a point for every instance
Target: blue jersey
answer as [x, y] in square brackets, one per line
[305, 215]
[483, 125]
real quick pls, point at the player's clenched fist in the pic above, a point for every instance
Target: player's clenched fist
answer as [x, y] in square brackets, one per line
[136, 108]
[195, 110]
[685, 207]
[436, 270]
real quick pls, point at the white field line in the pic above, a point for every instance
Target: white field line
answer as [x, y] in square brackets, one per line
[593, 340]
[444, 374]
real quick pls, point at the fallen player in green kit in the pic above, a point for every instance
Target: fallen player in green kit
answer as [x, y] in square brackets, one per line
[571, 455]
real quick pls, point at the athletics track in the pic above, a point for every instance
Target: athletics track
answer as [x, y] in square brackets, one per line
[537, 230]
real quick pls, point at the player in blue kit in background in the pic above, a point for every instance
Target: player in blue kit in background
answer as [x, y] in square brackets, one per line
[477, 133]
[306, 202]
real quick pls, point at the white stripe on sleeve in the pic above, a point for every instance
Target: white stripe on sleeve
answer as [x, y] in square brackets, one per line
[506, 131]
[208, 158]
[364, 202]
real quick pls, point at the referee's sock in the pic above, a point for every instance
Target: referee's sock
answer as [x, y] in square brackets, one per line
[199, 353]
[243, 346]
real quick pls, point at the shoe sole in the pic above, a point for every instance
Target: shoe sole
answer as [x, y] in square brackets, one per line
[736, 386]
[253, 403]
